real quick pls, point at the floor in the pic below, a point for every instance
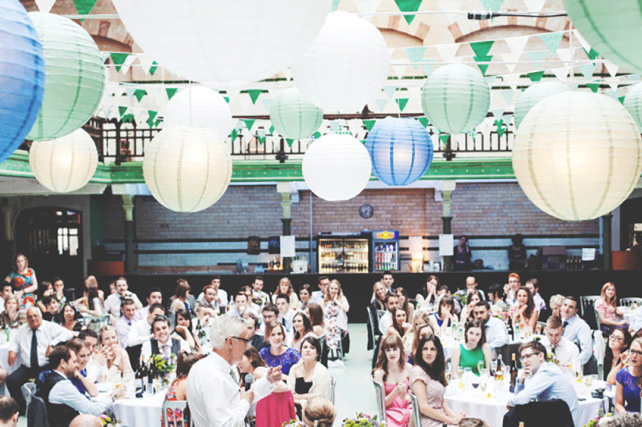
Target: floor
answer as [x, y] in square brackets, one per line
[354, 391]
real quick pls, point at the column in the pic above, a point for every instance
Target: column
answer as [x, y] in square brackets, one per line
[286, 206]
[606, 241]
[130, 256]
[447, 188]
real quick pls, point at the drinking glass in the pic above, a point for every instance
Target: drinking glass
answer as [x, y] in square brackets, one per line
[483, 385]
[448, 377]
[539, 329]
[480, 366]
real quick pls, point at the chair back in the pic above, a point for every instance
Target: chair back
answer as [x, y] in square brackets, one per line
[380, 314]
[333, 386]
[596, 314]
[95, 323]
[551, 412]
[416, 414]
[380, 394]
[37, 412]
[370, 325]
[630, 300]
[587, 303]
[175, 414]
[28, 391]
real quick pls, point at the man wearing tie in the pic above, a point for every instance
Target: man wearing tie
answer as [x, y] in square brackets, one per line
[33, 343]
[578, 332]
[565, 352]
[163, 344]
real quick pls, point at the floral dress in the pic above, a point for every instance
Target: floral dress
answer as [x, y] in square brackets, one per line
[23, 281]
[334, 333]
[18, 321]
[174, 417]
[434, 394]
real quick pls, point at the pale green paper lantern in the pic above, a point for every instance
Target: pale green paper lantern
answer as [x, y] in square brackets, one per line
[74, 76]
[633, 103]
[455, 98]
[64, 164]
[293, 116]
[612, 28]
[534, 94]
[577, 155]
[187, 169]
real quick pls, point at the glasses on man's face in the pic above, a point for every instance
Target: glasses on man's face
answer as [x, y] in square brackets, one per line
[527, 356]
[614, 338]
[245, 340]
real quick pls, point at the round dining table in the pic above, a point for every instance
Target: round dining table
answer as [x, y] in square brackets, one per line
[145, 411]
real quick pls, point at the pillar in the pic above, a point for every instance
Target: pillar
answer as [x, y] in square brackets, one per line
[130, 256]
[285, 190]
[606, 241]
[447, 189]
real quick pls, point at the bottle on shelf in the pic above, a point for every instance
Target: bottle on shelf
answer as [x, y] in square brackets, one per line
[513, 373]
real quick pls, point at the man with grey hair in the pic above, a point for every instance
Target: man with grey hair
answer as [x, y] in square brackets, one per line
[86, 420]
[215, 398]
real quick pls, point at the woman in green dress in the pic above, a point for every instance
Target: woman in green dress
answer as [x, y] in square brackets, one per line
[474, 352]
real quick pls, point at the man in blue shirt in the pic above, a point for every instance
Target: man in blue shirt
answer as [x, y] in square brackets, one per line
[542, 381]
[496, 332]
[577, 331]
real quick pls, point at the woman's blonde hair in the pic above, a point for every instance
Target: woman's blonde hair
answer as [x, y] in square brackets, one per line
[327, 293]
[319, 412]
[557, 299]
[105, 329]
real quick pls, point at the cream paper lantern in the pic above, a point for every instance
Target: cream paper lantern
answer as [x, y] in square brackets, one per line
[346, 66]
[455, 98]
[534, 94]
[64, 164]
[336, 167]
[199, 106]
[222, 42]
[577, 155]
[293, 116]
[633, 103]
[187, 169]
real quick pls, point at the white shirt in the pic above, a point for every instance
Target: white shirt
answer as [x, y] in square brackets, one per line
[122, 326]
[142, 313]
[221, 405]
[47, 334]
[146, 350]
[565, 352]
[65, 393]
[540, 304]
[496, 333]
[636, 319]
[139, 333]
[112, 303]
[1, 305]
[385, 322]
[288, 320]
[579, 333]
[317, 297]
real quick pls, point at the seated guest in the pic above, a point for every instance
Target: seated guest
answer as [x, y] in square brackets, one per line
[564, 351]
[240, 305]
[204, 316]
[525, 315]
[309, 377]
[33, 342]
[111, 359]
[178, 388]
[392, 372]
[86, 420]
[616, 353]
[471, 286]
[254, 308]
[305, 296]
[428, 383]
[68, 319]
[514, 283]
[162, 344]
[6, 290]
[259, 297]
[546, 380]
[278, 354]
[9, 411]
[627, 380]
[285, 288]
[606, 306]
[385, 321]
[80, 379]
[495, 329]
[59, 291]
[378, 303]
[90, 303]
[12, 317]
[181, 297]
[302, 329]
[112, 303]
[256, 340]
[627, 419]
[154, 296]
[318, 296]
[183, 330]
[445, 315]
[427, 297]
[53, 309]
[421, 330]
[141, 330]
[44, 290]
[404, 303]
[90, 338]
[316, 319]
[62, 400]
[577, 331]
[319, 412]
[269, 313]
[468, 312]
[533, 286]
[286, 314]
[400, 326]
[207, 298]
[126, 320]
[497, 298]
[420, 318]
[220, 296]
[556, 303]
[474, 351]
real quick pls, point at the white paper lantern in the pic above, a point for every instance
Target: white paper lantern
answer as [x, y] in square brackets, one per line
[336, 167]
[535, 94]
[577, 155]
[633, 103]
[346, 66]
[455, 98]
[227, 43]
[294, 116]
[187, 169]
[64, 164]
[199, 106]
[612, 28]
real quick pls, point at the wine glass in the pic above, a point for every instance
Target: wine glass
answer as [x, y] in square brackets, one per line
[480, 366]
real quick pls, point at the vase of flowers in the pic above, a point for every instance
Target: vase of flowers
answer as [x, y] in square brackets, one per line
[362, 420]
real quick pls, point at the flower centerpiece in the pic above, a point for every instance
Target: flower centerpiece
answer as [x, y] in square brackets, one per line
[163, 367]
[362, 420]
[294, 423]
[595, 422]
[462, 294]
[109, 420]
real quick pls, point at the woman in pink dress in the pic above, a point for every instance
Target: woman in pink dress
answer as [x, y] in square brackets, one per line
[393, 371]
[606, 306]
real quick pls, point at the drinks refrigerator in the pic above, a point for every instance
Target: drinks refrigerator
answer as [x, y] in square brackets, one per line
[385, 250]
[343, 253]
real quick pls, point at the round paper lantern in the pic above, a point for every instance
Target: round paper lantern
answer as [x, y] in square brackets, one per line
[346, 66]
[64, 164]
[293, 116]
[336, 167]
[199, 106]
[187, 169]
[75, 76]
[22, 76]
[611, 28]
[633, 103]
[535, 94]
[401, 150]
[226, 43]
[455, 98]
[577, 155]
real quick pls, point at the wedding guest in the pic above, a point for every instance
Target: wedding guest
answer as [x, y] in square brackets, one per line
[616, 354]
[606, 306]
[316, 319]
[256, 340]
[495, 329]
[386, 320]
[302, 329]
[23, 279]
[53, 309]
[577, 331]
[468, 312]
[111, 359]
[90, 303]
[305, 296]
[12, 317]
[278, 354]
[378, 303]
[525, 314]
[154, 296]
[178, 388]
[59, 291]
[181, 297]
[319, 412]
[9, 411]
[420, 319]
[514, 283]
[497, 299]
[183, 330]
[471, 286]
[428, 383]
[162, 344]
[392, 371]
[259, 297]
[564, 351]
[335, 313]
[399, 326]
[517, 253]
[318, 296]
[286, 314]
[308, 377]
[427, 297]
[404, 303]
[70, 319]
[285, 288]
[421, 331]
[627, 381]
[555, 303]
[445, 315]
[474, 351]
[45, 289]
[80, 380]
[112, 303]
[252, 368]
[462, 255]
[533, 287]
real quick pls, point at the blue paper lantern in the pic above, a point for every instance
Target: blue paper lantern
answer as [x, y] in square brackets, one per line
[401, 150]
[22, 76]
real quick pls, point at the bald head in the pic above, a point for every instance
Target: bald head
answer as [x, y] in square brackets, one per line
[86, 420]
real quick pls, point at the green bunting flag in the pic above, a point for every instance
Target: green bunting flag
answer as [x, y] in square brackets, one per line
[408, 6]
[139, 93]
[152, 115]
[536, 76]
[249, 123]
[369, 124]
[401, 102]
[424, 121]
[171, 91]
[153, 68]
[552, 41]
[128, 118]
[118, 59]
[234, 134]
[592, 54]
[289, 141]
[122, 111]
[84, 6]
[593, 86]
[482, 48]
[335, 4]
[254, 94]
[316, 135]
[444, 138]
[484, 59]
[261, 139]
[227, 99]
[501, 130]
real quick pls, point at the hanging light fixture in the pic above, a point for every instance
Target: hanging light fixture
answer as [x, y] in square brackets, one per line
[293, 116]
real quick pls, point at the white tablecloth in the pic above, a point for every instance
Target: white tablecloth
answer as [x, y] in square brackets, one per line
[139, 412]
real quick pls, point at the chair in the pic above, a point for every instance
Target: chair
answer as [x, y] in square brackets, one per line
[381, 400]
[599, 348]
[627, 302]
[586, 311]
[370, 328]
[552, 413]
[380, 314]
[36, 409]
[596, 313]
[28, 391]
[333, 385]
[416, 414]
[179, 411]
[95, 323]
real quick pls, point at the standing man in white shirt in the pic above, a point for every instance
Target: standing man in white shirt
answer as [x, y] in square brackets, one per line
[495, 329]
[112, 303]
[125, 322]
[317, 297]
[226, 404]
[220, 296]
[259, 297]
[33, 343]
[386, 320]
[533, 286]
[154, 296]
[564, 351]
[578, 332]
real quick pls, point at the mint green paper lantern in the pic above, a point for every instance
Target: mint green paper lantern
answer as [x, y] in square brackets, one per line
[293, 116]
[74, 76]
[534, 94]
[633, 103]
[455, 98]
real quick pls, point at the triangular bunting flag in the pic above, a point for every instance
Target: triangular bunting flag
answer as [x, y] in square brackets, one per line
[444, 138]
[428, 67]
[335, 4]
[447, 51]
[552, 41]
[611, 68]
[500, 127]
[152, 115]
[482, 48]
[621, 99]
[369, 124]
[490, 81]
[118, 59]
[122, 110]
[153, 68]
[400, 70]
[491, 5]
[367, 6]
[389, 91]
[536, 76]
[84, 6]
[415, 54]
[534, 5]
[507, 95]
[408, 6]
[128, 118]
[45, 6]
[424, 121]
[267, 103]
[249, 123]
[254, 94]
[498, 113]
[484, 62]
[561, 72]
[260, 132]
[130, 90]
[634, 77]
[587, 70]
[516, 45]
[592, 54]
[401, 102]
[234, 134]
[538, 56]
[288, 141]
[511, 80]
[594, 86]
[334, 125]
[139, 94]
[580, 39]
[381, 104]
